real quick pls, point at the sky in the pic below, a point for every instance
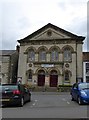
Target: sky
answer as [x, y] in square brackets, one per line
[20, 18]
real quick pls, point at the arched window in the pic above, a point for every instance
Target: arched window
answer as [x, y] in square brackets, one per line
[31, 55]
[30, 75]
[67, 76]
[67, 54]
[42, 55]
[54, 55]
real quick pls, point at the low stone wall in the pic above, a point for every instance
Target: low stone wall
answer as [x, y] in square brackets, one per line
[64, 88]
[60, 88]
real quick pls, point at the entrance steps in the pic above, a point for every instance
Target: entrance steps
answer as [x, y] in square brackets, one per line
[45, 89]
[52, 89]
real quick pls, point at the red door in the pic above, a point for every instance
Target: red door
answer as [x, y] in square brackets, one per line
[53, 80]
[41, 80]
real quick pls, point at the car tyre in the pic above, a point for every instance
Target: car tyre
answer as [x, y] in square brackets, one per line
[22, 102]
[29, 99]
[79, 101]
[72, 99]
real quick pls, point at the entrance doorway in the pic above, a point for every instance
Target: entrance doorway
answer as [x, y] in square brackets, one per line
[41, 78]
[53, 78]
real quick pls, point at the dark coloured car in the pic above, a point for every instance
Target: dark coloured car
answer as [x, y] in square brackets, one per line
[14, 94]
[80, 93]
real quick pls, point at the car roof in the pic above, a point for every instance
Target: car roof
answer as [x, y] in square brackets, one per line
[10, 84]
[83, 83]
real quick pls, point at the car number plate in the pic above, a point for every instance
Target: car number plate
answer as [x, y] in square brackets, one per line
[4, 99]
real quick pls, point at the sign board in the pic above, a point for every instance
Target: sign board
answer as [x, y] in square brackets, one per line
[47, 65]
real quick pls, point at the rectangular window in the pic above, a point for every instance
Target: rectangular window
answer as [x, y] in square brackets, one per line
[87, 68]
[67, 77]
[87, 78]
[30, 77]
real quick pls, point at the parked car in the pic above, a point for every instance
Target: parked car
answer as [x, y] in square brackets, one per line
[80, 93]
[14, 94]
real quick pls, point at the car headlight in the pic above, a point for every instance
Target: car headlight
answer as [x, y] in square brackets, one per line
[83, 93]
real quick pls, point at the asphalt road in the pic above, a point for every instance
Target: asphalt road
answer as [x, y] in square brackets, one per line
[48, 105]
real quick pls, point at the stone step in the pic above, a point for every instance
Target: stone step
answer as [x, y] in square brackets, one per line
[47, 89]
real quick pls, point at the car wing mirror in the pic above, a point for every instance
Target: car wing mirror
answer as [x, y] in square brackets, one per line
[75, 88]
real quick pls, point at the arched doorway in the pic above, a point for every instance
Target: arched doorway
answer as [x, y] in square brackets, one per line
[53, 78]
[41, 78]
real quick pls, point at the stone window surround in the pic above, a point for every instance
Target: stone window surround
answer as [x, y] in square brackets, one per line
[48, 51]
[70, 74]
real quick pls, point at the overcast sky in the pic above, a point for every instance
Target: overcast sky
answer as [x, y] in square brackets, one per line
[20, 18]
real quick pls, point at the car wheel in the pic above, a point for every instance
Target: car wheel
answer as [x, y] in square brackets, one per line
[22, 102]
[79, 101]
[72, 99]
[29, 100]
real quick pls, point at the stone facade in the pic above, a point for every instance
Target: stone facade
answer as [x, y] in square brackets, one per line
[50, 56]
[8, 66]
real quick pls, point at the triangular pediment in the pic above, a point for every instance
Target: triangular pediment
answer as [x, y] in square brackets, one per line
[51, 31]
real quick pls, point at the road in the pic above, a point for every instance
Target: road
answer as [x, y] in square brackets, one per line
[48, 105]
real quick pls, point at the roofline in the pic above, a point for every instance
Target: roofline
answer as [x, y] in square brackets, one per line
[52, 26]
[8, 54]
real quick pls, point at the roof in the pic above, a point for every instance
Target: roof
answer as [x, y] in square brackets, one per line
[86, 56]
[49, 25]
[7, 52]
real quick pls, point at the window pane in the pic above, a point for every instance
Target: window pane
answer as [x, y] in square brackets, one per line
[87, 68]
[87, 78]
[66, 76]
[54, 55]
[42, 56]
[67, 55]
[30, 76]
[31, 55]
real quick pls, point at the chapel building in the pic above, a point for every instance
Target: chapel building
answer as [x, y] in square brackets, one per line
[50, 56]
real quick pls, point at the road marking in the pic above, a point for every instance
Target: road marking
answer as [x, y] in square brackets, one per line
[64, 99]
[68, 102]
[33, 104]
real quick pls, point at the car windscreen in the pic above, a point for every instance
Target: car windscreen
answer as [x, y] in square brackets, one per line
[8, 87]
[84, 86]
